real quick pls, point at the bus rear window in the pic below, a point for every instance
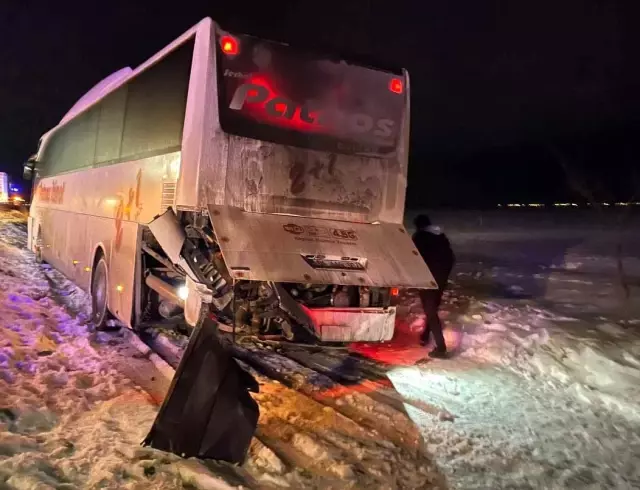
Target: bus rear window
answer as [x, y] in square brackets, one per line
[270, 92]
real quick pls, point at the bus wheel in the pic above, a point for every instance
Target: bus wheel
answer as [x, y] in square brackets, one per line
[100, 295]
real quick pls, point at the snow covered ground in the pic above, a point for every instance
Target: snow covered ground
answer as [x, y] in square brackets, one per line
[543, 390]
[546, 384]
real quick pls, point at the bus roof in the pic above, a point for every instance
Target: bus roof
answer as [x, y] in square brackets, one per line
[122, 76]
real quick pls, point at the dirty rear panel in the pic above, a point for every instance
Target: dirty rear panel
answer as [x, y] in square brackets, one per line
[307, 134]
[293, 249]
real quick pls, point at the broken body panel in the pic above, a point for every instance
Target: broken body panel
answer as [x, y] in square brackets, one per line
[300, 163]
[232, 176]
[288, 213]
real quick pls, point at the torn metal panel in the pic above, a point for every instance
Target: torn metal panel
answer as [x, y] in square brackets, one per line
[273, 248]
[208, 412]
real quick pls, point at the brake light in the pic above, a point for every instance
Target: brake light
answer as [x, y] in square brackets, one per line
[395, 292]
[395, 85]
[229, 45]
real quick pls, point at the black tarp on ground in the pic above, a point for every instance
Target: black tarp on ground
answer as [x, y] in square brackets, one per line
[208, 412]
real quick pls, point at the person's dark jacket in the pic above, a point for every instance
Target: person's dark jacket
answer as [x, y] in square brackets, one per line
[436, 251]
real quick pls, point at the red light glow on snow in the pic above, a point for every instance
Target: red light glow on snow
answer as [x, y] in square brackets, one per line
[404, 348]
[365, 386]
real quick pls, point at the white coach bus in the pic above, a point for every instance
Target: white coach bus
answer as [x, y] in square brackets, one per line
[235, 177]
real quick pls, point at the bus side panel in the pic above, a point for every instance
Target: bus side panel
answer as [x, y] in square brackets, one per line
[51, 227]
[124, 251]
[75, 244]
[70, 242]
[80, 211]
[63, 239]
[200, 121]
[30, 231]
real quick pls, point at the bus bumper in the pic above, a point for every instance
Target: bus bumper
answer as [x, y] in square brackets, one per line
[353, 324]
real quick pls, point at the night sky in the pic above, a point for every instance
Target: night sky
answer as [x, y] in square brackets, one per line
[501, 90]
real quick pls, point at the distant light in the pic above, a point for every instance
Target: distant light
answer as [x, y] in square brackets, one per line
[87, 269]
[75, 262]
[14, 189]
[183, 293]
[395, 85]
[395, 292]
[229, 45]
[119, 288]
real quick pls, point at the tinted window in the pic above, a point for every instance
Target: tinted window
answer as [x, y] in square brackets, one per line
[156, 103]
[72, 146]
[268, 91]
[110, 126]
[142, 118]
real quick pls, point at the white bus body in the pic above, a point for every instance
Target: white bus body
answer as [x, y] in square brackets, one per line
[278, 217]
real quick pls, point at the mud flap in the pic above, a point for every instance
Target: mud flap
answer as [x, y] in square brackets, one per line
[208, 412]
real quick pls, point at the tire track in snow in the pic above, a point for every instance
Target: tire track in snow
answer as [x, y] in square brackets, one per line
[304, 439]
[319, 441]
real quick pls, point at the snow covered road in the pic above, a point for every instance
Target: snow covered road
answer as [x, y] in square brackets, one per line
[76, 404]
[542, 393]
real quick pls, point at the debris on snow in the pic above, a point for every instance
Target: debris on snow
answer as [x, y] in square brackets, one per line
[542, 389]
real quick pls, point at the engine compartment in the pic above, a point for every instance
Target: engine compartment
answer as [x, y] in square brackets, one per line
[245, 307]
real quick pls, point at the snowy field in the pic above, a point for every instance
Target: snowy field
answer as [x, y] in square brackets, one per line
[543, 390]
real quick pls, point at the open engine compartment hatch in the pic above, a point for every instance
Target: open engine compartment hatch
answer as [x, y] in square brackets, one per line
[278, 248]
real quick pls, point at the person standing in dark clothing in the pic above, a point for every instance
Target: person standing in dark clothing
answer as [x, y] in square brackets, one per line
[436, 251]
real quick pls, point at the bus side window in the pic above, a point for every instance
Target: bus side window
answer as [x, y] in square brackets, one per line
[156, 105]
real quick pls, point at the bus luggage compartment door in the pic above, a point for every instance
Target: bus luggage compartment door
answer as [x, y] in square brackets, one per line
[285, 249]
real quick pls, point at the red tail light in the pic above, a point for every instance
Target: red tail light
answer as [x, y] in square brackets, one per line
[395, 292]
[229, 45]
[395, 85]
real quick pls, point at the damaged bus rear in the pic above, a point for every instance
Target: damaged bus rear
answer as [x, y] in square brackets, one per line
[291, 193]
[235, 178]
[231, 183]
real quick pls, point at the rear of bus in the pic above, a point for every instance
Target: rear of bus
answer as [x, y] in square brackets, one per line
[314, 187]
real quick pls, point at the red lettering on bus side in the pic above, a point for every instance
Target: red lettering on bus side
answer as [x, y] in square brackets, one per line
[123, 210]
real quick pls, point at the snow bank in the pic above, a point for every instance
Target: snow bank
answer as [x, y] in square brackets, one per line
[69, 416]
[77, 403]
[542, 392]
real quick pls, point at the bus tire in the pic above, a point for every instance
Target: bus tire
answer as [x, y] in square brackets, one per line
[100, 294]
